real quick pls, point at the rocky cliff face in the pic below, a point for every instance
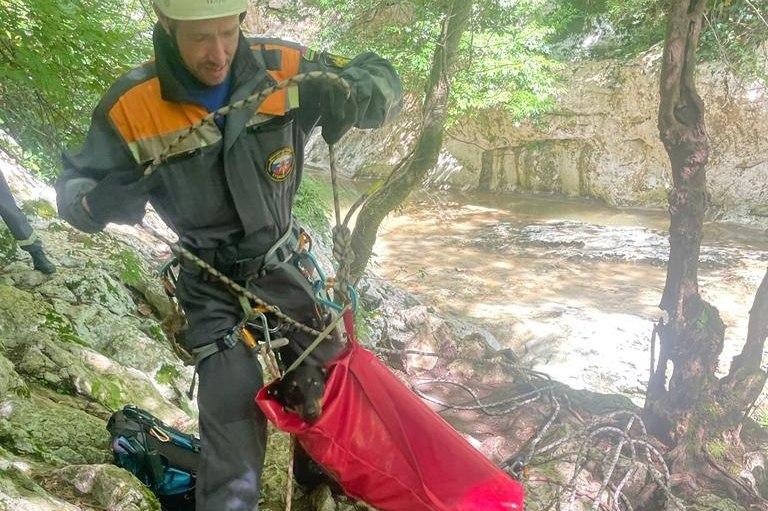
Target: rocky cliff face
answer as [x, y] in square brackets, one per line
[73, 348]
[600, 142]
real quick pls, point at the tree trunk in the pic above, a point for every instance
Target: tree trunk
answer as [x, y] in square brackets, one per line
[691, 409]
[745, 380]
[692, 338]
[410, 172]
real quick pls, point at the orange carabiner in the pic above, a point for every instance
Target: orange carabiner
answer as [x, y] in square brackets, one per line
[248, 338]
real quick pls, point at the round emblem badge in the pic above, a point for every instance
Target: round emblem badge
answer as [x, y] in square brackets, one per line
[280, 164]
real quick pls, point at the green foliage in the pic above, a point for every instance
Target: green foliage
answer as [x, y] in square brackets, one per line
[732, 33]
[364, 322]
[155, 331]
[57, 57]
[310, 204]
[734, 30]
[717, 449]
[167, 374]
[761, 417]
[504, 60]
[509, 70]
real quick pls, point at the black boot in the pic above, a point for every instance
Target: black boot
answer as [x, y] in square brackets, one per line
[41, 262]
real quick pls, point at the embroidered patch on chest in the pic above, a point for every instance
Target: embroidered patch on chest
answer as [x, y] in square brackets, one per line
[280, 164]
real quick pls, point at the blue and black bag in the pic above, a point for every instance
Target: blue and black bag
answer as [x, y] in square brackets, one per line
[163, 458]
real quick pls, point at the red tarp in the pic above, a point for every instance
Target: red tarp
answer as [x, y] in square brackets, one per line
[387, 448]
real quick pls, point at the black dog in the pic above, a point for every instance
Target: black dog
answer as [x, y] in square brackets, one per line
[301, 391]
[284, 286]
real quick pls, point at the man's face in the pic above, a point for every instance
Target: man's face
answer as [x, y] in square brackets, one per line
[207, 46]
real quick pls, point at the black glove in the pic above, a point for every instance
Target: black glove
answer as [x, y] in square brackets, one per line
[338, 112]
[120, 197]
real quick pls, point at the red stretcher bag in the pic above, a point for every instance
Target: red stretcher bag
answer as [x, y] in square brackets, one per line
[390, 450]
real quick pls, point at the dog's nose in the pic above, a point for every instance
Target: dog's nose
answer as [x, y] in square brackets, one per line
[312, 412]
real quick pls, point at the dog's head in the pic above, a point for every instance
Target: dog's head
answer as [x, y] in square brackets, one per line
[301, 391]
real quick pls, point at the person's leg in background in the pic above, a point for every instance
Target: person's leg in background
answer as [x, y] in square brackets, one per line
[21, 230]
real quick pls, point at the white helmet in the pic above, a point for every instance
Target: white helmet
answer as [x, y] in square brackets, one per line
[200, 9]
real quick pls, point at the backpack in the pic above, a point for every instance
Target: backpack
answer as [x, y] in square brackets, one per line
[161, 457]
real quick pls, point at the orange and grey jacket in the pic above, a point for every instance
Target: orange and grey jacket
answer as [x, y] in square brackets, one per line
[233, 185]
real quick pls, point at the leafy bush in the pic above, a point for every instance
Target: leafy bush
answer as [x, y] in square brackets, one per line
[57, 57]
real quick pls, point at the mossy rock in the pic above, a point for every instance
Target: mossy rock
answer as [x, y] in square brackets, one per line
[167, 374]
[40, 208]
[50, 432]
[10, 381]
[101, 487]
[21, 314]
[101, 288]
[78, 371]
[129, 266]
[135, 273]
[19, 491]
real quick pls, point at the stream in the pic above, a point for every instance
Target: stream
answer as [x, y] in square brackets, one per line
[571, 285]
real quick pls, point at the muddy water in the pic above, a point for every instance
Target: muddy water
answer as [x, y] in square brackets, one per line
[572, 286]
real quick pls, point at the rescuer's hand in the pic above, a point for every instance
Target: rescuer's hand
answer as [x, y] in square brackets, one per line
[120, 197]
[338, 112]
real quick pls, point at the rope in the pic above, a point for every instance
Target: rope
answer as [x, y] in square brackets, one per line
[344, 256]
[320, 338]
[236, 288]
[289, 484]
[255, 99]
[332, 164]
[342, 239]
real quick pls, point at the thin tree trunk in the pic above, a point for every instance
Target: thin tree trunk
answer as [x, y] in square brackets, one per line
[692, 338]
[411, 171]
[745, 380]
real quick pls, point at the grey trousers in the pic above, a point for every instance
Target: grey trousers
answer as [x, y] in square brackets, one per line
[233, 432]
[14, 217]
